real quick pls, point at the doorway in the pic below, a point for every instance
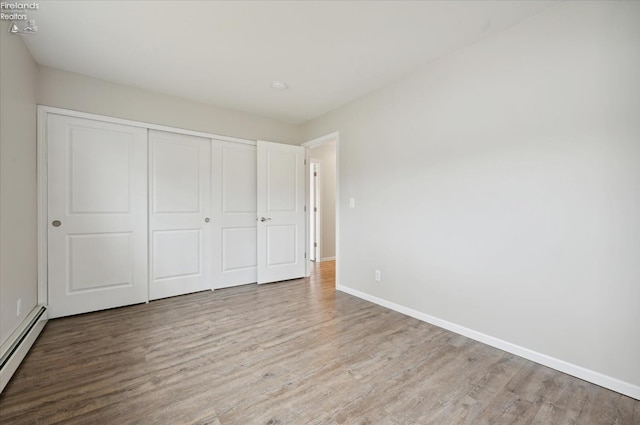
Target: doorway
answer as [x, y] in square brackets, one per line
[322, 218]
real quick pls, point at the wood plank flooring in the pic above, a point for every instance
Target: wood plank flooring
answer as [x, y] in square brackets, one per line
[295, 352]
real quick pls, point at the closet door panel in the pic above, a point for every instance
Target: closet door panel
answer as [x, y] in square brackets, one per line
[234, 189]
[180, 200]
[97, 215]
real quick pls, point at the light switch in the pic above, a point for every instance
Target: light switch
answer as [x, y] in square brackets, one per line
[352, 202]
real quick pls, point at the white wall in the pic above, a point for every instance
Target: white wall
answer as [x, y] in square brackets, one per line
[326, 156]
[81, 93]
[18, 239]
[499, 189]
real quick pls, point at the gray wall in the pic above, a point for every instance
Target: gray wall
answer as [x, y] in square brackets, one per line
[81, 93]
[18, 238]
[499, 188]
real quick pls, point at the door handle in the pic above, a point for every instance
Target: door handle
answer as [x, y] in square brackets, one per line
[206, 220]
[263, 219]
[56, 223]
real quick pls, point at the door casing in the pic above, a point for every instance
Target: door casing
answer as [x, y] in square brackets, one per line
[328, 138]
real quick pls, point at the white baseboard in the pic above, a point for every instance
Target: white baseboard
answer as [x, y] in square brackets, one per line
[327, 259]
[597, 378]
[20, 351]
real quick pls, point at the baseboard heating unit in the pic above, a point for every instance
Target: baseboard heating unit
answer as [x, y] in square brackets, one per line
[15, 349]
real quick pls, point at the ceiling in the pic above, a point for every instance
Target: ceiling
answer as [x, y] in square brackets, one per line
[228, 53]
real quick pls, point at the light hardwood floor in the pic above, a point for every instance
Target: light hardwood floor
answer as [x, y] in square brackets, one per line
[295, 352]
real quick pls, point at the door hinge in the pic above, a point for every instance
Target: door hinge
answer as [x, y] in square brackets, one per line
[305, 162]
[315, 209]
[305, 255]
[315, 174]
[305, 208]
[315, 244]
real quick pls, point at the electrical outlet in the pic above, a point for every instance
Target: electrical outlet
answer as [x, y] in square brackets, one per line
[19, 307]
[378, 275]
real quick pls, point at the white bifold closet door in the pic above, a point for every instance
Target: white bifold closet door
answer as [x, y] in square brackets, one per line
[179, 214]
[281, 216]
[97, 215]
[234, 213]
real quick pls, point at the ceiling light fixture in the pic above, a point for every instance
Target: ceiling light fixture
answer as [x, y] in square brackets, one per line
[279, 85]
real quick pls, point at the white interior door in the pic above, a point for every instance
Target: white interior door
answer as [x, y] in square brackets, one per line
[179, 214]
[234, 213]
[97, 215]
[281, 217]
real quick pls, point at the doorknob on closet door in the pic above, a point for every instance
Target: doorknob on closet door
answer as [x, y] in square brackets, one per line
[263, 219]
[56, 223]
[207, 219]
